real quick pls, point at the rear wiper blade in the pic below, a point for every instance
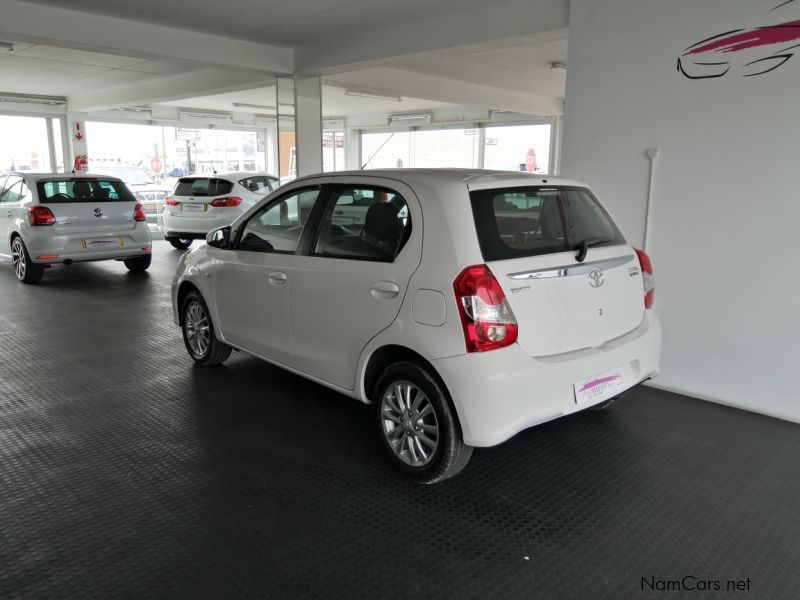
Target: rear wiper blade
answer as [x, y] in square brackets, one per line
[583, 247]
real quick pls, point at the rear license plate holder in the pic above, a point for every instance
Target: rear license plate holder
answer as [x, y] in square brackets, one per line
[601, 386]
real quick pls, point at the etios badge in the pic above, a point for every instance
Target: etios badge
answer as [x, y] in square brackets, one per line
[596, 278]
[98, 212]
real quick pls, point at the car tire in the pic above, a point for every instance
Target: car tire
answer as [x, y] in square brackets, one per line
[417, 424]
[604, 405]
[179, 244]
[198, 333]
[140, 264]
[24, 268]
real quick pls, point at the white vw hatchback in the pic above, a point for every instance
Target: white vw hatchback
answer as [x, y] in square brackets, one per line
[48, 219]
[199, 204]
[465, 306]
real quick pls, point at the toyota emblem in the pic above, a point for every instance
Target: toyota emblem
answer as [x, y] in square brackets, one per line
[596, 279]
[98, 212]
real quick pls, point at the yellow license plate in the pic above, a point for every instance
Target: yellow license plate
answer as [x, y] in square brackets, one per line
[150, 206]
[104, 243]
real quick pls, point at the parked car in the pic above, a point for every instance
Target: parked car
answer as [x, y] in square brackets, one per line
[47, 219]
[201, 203]
[465, 306]
[147, 192]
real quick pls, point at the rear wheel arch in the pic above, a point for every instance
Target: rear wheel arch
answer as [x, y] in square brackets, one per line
[388, 355]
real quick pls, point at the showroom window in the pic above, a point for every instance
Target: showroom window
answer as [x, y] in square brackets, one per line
[511, 147]
[24, 143]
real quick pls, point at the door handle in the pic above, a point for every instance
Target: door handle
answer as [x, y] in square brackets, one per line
[8, 214]
[278, 278]
[384, 290]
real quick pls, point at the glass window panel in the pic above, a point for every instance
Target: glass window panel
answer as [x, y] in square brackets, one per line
[518, 148]
[23, 144]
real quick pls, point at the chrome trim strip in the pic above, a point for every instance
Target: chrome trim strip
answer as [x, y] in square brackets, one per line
[572, 270]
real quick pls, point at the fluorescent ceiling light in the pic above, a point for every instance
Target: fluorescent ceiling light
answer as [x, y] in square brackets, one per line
[7, 46]
[134, 109]
[558, 66]
[416, 117]
[32, 99]
[247, 105]
[206, 115]
[361, 94]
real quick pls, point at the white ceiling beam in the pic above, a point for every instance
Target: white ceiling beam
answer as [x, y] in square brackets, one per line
[418, 85]
[164, 89]
[48, 25]
[377, 45]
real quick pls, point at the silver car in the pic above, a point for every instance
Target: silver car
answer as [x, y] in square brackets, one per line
[48, 219]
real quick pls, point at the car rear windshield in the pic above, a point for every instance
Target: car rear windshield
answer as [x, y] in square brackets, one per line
[531, 221]
[202, 186]
[68, 190]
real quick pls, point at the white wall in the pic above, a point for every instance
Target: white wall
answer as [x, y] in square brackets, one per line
[727, 217]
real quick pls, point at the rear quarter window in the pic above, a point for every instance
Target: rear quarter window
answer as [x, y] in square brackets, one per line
[202, 187]
[531, 221]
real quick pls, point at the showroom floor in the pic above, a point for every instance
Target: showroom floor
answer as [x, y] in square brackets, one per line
[125, 471]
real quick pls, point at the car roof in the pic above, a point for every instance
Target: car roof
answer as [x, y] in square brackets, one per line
[474, 179]
[30, 175]
[232, 176]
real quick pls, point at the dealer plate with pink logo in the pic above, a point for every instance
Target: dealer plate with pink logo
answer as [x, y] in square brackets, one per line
[600, 387]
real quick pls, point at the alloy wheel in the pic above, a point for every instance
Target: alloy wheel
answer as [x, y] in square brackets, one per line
[198, 332]
[18, 258]
[409, 423]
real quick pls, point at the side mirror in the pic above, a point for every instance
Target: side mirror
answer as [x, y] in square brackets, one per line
[220, 237]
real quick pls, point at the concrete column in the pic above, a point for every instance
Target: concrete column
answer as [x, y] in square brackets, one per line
[78, 147]
[308, 114]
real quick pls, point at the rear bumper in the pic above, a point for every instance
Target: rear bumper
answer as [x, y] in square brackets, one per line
[502, 392]
[193, 228]
[54, 249]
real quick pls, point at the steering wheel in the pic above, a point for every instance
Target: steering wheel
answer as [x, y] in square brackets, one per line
[60, 197]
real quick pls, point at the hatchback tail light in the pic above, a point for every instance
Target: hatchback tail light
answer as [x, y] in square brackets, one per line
[40, 215]
[647, 277]
[170, 201]
[485, 314]
[138, 213]
[225, 202]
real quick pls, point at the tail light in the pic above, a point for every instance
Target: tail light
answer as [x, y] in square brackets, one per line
[225, 202]
[647, 277]
[40, 215]
[138, 213]
[170, 201]
[485, 314]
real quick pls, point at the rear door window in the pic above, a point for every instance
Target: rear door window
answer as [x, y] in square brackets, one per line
[202, 187]
[364, 223]
[258, 184]
[531, 221]
[13, 191]
[66, 191]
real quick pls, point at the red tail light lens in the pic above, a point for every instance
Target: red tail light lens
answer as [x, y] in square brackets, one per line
[170, 201]
[647, 277]
[224, 202]
[485, 314]
[138, 213]
[40, 215]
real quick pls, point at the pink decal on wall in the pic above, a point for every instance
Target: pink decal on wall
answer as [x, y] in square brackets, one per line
[752, 51]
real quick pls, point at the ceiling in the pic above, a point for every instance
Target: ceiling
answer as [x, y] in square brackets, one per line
[523, 68]
[37, 69]
[335, 103]
[277, 22]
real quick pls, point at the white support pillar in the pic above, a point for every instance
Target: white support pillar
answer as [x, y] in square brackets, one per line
[78, 159]
[308, 114]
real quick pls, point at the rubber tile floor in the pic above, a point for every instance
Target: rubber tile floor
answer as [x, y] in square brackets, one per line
[127, 472]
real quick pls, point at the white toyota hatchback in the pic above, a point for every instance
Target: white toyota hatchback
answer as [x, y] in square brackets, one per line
[465, 306]
[199, 204]
[48, 219]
